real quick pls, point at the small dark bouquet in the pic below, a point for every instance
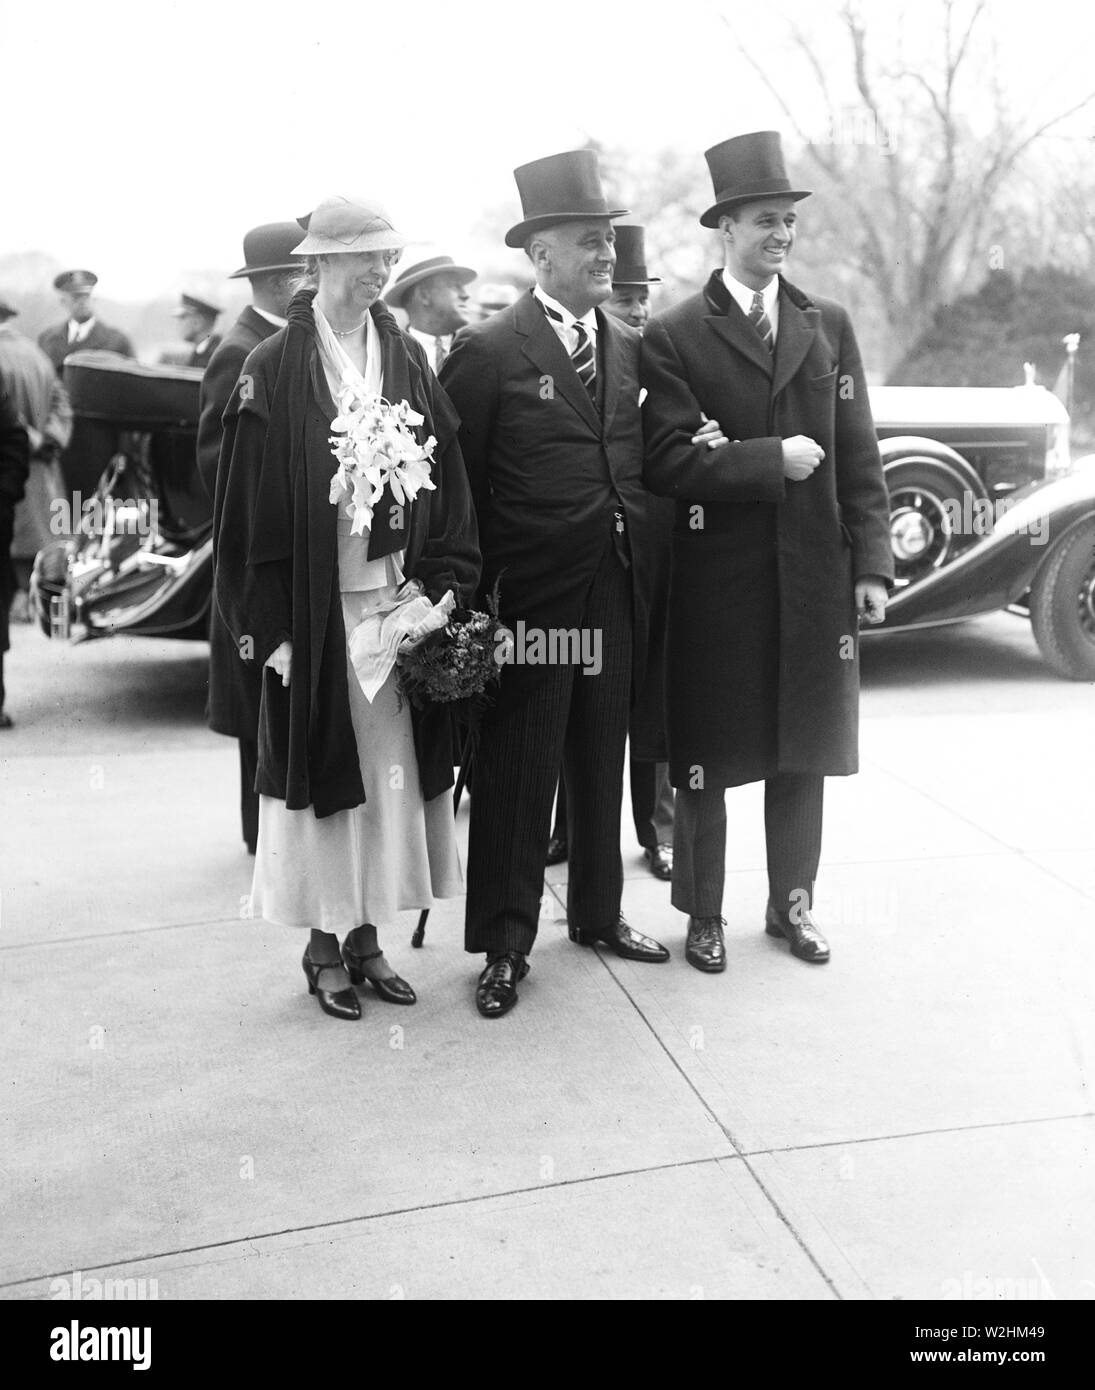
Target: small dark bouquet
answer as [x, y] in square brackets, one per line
[457, 664]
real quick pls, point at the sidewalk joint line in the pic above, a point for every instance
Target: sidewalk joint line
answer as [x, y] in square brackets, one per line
[132, 1260]
[738, 1149]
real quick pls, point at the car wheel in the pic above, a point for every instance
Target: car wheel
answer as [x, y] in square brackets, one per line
[1062, 605]
[924, 494]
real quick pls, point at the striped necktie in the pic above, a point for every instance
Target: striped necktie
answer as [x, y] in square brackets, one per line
[760, 320]
[439, 354]
[583, 356]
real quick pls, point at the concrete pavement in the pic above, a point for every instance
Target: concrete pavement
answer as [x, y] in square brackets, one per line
[914, 1120]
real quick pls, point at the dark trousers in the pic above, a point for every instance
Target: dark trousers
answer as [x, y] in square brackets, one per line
[581, 721]
[651, 805]
[249, 798]
[792, 832]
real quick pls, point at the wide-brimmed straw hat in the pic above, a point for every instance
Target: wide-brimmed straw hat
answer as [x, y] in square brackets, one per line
[342, 225]
[423, 270]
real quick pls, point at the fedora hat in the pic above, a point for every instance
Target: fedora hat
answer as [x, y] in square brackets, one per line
[422, 270]
[745, 169]
[75, 281]
[339, 226]
[631, 257]
[191, 304]
[560, 188]
[269, 248]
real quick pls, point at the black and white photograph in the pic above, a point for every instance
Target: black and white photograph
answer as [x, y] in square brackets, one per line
[547, 663]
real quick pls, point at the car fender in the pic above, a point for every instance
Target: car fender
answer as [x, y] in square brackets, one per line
[908, 447]
[998, 569]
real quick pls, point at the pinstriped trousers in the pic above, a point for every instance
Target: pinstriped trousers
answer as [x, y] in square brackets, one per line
[581, 722]
[792, 830]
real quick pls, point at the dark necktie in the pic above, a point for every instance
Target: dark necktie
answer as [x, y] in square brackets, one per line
[583, 356]
[760, 321]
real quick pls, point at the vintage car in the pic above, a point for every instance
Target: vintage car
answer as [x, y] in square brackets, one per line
[988, 512]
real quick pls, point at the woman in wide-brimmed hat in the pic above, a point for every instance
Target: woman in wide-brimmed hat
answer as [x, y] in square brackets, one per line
[328, 555]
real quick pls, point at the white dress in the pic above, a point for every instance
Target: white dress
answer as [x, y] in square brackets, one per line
[396, 851]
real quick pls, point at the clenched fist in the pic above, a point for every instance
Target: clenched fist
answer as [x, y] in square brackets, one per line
[801, 455]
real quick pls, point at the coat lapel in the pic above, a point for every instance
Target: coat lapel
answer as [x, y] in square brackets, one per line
[797, 329]
[734, 328]
[543, 348]
[610, 360]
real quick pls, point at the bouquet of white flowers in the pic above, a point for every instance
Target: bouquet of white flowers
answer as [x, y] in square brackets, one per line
[375, 447]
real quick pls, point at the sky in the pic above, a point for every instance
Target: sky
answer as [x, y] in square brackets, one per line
[143, 139]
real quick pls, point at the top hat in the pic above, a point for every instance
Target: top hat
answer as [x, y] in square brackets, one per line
[75, 280]
[422, 270]
[269, 248]
[631, 257]
[341, 226]
[745, 169]
[560, 188]
[191, 304]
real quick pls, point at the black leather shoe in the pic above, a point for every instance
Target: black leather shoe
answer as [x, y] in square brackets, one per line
[496, 992]
[394, 990]
[628, 944]
[339, 1003]
[804, 934]
[659, 861]
[557, 850]
[706, 947]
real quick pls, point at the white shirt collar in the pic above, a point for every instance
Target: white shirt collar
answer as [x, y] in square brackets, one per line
[743, 295]
[77, 332]
[430, 340]
[588, 320]
[275, 319]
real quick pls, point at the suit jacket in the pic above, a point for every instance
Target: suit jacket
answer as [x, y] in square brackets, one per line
[762, 668]
[235, 686]
[55, 344]
[546, 469]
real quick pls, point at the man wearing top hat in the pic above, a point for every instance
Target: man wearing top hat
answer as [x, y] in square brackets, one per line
[197, 321]
[548, 396]
[651, 789]
[82, 329]
[434, 295]
[234, 685]
[780, 547]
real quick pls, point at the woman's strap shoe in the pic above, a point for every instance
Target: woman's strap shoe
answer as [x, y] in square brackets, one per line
[339, 1003]
[393, 990]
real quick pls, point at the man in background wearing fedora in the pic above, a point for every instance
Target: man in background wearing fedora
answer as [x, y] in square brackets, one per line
[780, 546]
[651, 789]
[548, 396]
[434, 295]
[235, 686]
[81, 329]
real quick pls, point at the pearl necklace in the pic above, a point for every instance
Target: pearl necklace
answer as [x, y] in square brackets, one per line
[346, 333]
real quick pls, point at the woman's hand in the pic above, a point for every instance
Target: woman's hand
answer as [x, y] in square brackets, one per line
[282, 661]
[709, 433]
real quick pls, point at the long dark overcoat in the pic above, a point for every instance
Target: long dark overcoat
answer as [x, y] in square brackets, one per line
[546, 469]
[234, 685]
[276, 557]
[763, 651]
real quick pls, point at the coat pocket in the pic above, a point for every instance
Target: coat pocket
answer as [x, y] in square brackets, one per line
[823, 382]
